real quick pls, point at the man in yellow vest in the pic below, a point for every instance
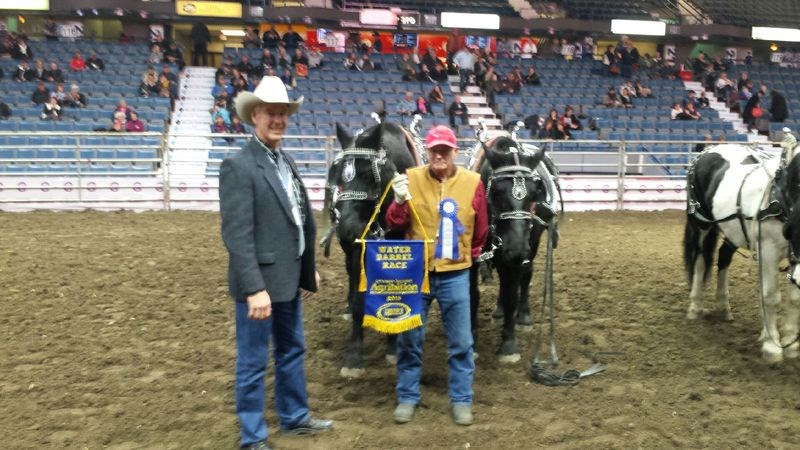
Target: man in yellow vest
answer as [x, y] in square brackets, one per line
[451, 204]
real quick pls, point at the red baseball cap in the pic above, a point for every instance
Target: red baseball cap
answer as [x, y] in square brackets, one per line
[441, 135]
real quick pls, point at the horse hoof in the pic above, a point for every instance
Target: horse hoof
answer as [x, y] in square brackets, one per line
[509, 359]
[348, 372]
[524, 328]
[391, 359]
[475, 356]
[791, 352]
[348, 317]
[694, 314]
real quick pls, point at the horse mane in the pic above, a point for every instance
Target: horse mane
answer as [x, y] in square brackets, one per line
[480, 155]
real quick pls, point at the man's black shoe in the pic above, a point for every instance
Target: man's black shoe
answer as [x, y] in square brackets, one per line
[311, 426]
[260, 445]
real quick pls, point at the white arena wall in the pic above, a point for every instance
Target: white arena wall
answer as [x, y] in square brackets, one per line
[619, 178]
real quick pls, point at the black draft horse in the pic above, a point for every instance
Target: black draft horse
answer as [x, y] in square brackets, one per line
[519, 202]
[356, 180]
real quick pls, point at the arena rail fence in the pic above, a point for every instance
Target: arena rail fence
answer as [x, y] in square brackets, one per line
[155, 171]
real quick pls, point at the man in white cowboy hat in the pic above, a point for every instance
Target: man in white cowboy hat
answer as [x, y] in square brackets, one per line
[269, 231]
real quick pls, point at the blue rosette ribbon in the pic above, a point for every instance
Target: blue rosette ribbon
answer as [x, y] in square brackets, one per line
[450, 229]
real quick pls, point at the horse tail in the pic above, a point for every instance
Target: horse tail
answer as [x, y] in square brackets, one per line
[693, 248]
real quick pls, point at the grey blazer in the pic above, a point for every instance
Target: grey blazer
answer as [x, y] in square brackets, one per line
[259, 231]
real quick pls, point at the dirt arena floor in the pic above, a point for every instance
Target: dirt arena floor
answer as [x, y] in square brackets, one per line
[116, 332]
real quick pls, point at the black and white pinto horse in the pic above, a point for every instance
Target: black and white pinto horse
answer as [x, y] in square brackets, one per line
[356, 180]
[751, 199]
[521, 193]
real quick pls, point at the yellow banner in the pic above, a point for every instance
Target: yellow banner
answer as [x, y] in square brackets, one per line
[208, 9]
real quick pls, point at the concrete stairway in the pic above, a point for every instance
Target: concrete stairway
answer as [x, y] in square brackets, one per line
[477, 107]
[724, 113]
[191, 117]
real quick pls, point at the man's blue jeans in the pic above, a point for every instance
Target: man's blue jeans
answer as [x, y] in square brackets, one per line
[451, 290]
[285, 329]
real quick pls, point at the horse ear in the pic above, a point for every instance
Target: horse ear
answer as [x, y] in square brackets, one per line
[498, 151]
[372, 137]
[345, 138]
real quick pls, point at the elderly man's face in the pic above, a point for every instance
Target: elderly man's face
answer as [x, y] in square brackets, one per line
[270, 122]
[442, 160]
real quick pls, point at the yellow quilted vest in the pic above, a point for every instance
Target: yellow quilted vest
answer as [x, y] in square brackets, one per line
[427, 193]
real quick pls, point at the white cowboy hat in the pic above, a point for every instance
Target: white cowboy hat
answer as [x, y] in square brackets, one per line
[269, 90]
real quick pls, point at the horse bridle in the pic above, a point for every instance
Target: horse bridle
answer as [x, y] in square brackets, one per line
[377, 159]
[518, 174]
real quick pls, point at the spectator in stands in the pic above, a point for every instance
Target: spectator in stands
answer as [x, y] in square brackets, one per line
[167, 72]
[611, 99]
[50, 30]
[430, 60]
[251, 39]
[41, 95]
[77, 64]
[40, 72]
[149, 85]
[700, 146]
[59, 94]
[134, 124]
[54, 74]
[267, 60]
[222, 85]
[156, 54]
[561, 132]
[699, 65]
[748, 60]
[219, 126]
[240, 85]
[778, 109]
[75, 99]
[415, 58]
[745, 92]
[299, 58]
[702, 101]
[271, 38]
[457, 109]
[676, 112]
[609, 59]
[570, 120]
[118, 122]
[216, 111]
[122, 107]
[465, 61]
[406, 106]
[439, 73]
[315, 57]
[51, 110]
[627, 84]
[223, 100]
[24, 72]
[691, 112]
[244, 66]
[365, 64]
[174, 55]
[548, 130]
[236, 127]
[512, 84]
[744, 78]
[723, 86]
[166, 88]
[421, 107]
[691, 97]
[95, 63]
[532, 78]
[436, 96]
[288, 79]
[201, 37]
[625, 98]
[407, 67]
[351, 62]
[284, 60]
[641, 90]
[291, 39]
[21, 49]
